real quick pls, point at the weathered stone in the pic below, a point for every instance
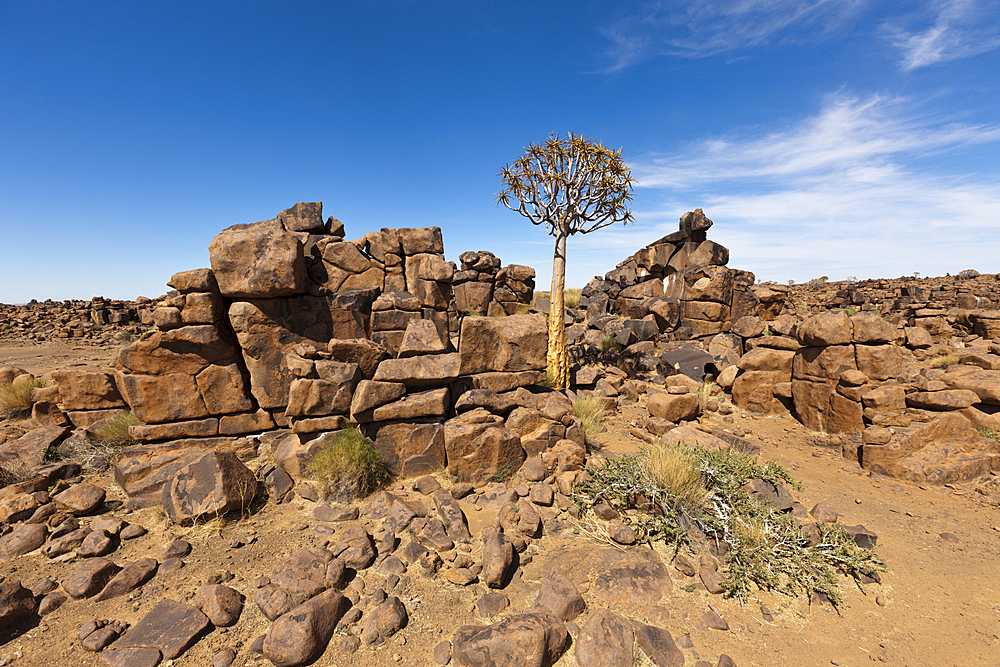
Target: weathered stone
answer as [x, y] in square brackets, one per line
[411, 449]
[525, 640]
[97, 543]
[673, 407]
[195, 428]
[172, 627]
[421, 337]
[23, 539]
[89, 578]
[221, 604]
[431, 403]
[317, 398]
[451, 514]
[216, 483]
[16, 604]
[142, 470]
[821, 408]
[196, 280]
[823, 364]
[870, 328]
[605, 640]
[478, 446]
[499, 558]
[258, 260]
[28, 451]
[87, 389]
[986, 385]
[163, 398]
[268, 328]
[301, 635]
[829, 328]
[949, 399]
[417, 372]
[251, 422]
[559, 596]
[367, 354]
[515, 343]
[80, 499]
[223, 389]
[130, 577]
[187, 350]
[389, 618]
[879, 362]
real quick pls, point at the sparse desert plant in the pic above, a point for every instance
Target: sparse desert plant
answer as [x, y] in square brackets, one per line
[676, 470]
[991, 433]
[15, 396]
[125, 337]
[851, 311]
[946, 360]
[523, 309]
[768, 549]
[591, 412]
[608, 342]
[573, 296]
[114, 431]
[348, 466]
[704, 393]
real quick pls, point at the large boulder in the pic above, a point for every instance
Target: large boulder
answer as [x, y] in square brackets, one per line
[189, 349]
[534, 639]
[163, 398]
[215, 484]
[258, 260]
[87, 388]
[409, 450]
[514, 343]
[478, 447]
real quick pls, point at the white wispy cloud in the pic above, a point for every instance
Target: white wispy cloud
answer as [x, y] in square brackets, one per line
[857, 189]
[959, 29]
[701, 28]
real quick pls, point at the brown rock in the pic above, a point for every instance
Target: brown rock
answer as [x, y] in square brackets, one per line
[430, 403]
[172, 627]
[371, 394]
[417, 372]
[525, 640]
[29, 450]
[673, 407]
[559, 596]
[515, 343]
[215, 483]
[411, 449]
[367, 354]
[16, 604]
[187, 350]
[949, 399]
[478, 447]
[258, 260]
[221, 604]
[80, 499]
[196, 280]
[87, 389]
[499, 559]
[130, 577]
[605, 640]
[830, 328]
[142, 470]
[985, 384]
[89, 577]
[163, 398]
[223, 389]
[880, 362]
[658, 645]
[301, 635]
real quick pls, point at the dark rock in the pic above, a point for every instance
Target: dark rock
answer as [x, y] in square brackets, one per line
[214, 484]
[98, 543]
[658, 645]
[130, 577]
[335, 514]
[714, 621]
[526, 640]
[23, 539]
[559, 596]
[50, 603]
[451, 514]
[301, 635]
[605, 640]
[177, 549]
[303, 574]
[499, 558]
[273, 601]
[221, 604]
[389, 618]
[16, 604]
[131, 657]
[89, 578]
[492, 604]
[170, 626]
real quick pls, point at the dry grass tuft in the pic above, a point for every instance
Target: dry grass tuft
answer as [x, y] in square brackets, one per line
[114, 431]
[678, 471]
[349, 466]
[947, 360]
[15, 396]
[591, 412]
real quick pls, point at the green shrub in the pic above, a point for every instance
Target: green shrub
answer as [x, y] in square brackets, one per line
[114, 431]
[685, 492]
[15, 396]
[591, 412]
[991, 433]
[348, 466]
[125, 337]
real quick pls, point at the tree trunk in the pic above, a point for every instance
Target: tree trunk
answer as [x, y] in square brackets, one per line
[556, 356]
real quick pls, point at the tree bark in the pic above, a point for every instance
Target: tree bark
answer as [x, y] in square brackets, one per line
[556, 356]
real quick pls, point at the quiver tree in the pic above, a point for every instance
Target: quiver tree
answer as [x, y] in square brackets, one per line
[571, 186]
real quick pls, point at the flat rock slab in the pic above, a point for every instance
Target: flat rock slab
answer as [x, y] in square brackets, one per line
[637, 574]
[171, 627]
[23, 539]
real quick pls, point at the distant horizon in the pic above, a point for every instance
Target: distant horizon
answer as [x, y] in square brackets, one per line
[823, 138]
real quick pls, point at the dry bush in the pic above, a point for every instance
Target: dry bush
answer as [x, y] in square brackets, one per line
[15, 396]
[114, 431]
[947, 360]
[349, 466]
[591, 412]
[678, 471]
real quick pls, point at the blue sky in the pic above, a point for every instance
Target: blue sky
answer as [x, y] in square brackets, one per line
[823, 137]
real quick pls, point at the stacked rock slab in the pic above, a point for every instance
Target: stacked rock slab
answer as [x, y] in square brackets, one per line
[841, 359]
[295, 328]
[483, 288]
[682, 279]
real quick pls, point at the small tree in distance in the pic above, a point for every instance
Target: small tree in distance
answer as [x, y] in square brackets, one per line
[571, 186]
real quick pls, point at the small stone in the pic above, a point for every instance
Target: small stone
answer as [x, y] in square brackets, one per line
[492, 604]
[442, 653]
[949, 537]
[224, 657]
[177, 549]
[132, 531]
[714, 621]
